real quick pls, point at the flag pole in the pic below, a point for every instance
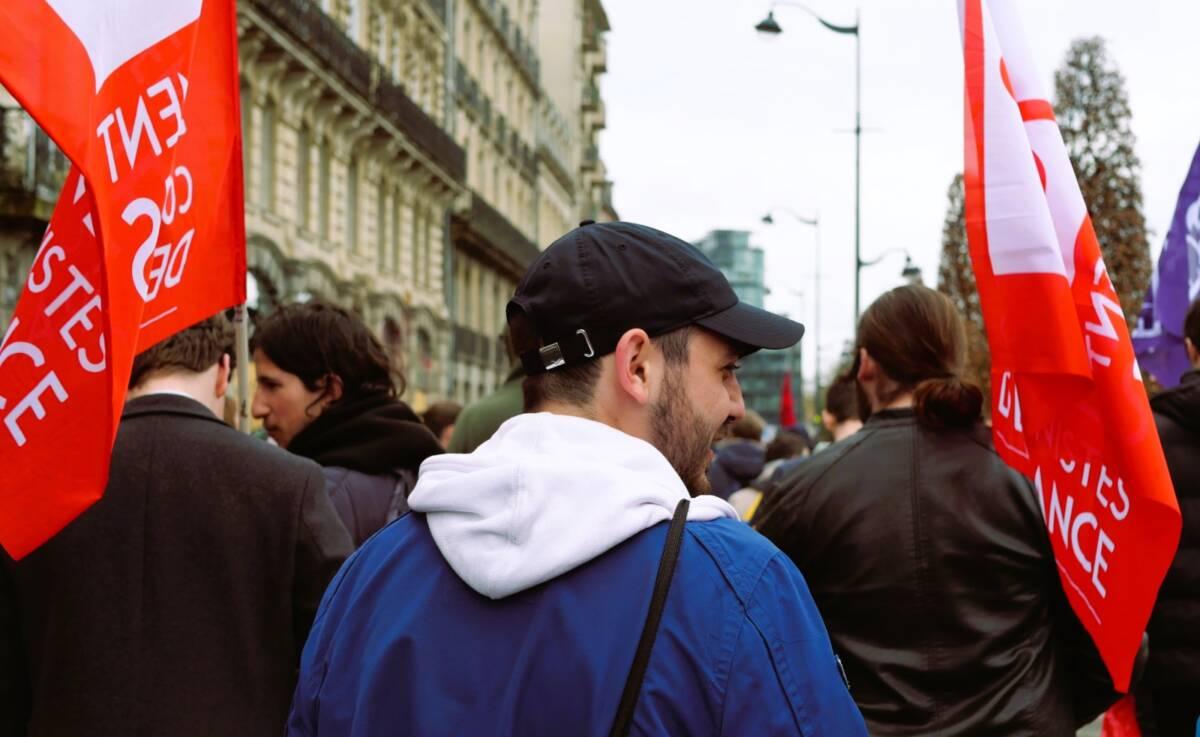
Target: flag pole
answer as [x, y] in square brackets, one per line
[242, 336]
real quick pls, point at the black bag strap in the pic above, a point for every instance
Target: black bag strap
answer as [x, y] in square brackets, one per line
[662, 586]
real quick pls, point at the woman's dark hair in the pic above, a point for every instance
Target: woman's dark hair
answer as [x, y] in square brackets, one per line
[918, 338]
[316, 339]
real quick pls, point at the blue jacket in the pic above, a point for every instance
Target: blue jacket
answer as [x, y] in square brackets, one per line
[402, 646]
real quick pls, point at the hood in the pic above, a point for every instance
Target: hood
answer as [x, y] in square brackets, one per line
[743, 460]
[372, 433]
[1181, 403]
[546, 494]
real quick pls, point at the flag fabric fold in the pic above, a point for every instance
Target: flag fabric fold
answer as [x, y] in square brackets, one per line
[147, 236]
[1068, 407]
[1158, 335]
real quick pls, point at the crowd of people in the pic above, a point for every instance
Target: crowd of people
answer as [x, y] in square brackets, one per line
[605, 545]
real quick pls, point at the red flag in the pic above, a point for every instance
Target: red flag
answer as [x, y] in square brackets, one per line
[1121, 720]
[1069, 410]
[147, 237]
[787, 409]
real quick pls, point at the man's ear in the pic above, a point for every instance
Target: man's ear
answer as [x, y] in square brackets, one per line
[1193, 352]
[224, 369]
[635, 365]
[333, 388]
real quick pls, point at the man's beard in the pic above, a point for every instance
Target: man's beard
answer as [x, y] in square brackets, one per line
[682, 435]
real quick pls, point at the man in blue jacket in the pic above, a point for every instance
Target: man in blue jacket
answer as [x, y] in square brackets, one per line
[511, 601]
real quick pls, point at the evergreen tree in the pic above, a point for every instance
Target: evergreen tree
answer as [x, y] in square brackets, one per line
[1093, 114]
[957, 281]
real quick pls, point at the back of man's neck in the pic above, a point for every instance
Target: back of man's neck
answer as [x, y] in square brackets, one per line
[176, 384]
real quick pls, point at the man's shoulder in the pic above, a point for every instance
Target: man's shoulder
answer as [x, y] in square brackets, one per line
[740, 554]
[204, 439]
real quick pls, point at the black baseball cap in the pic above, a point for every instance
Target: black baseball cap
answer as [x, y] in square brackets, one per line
[602, 279]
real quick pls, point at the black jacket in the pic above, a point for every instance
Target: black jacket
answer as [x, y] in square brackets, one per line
[179, 603]
[931, 566]
[370, 446]
[1174, 669]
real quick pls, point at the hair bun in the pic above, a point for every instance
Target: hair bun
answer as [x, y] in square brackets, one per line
[947, 403]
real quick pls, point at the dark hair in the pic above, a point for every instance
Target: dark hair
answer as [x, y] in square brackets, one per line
[576, 385]
[918, 338]
[788, 444]
[1191, 324]
[841, 398]
[749, 426]
[194, 349]
[441, 415]
[316, 339]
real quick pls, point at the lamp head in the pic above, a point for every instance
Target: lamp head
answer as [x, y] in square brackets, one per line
[769, 25]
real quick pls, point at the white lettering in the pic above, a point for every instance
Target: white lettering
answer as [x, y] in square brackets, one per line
[1101, 482]
[144, 207]
[142, 127]
[103, 132]
[171, 110]
[54, 252]
[33, 401]
[81, 317]
[1088, 519]
[79, 282]
[179, 258]
[1124, 511]
[1059, 513]
[1103, 543]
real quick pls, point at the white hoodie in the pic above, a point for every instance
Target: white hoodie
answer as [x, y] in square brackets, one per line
[545, 494]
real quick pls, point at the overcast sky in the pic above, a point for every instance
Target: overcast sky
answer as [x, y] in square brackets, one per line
[710, 124]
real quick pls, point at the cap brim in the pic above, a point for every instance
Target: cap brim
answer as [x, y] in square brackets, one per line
[753, 327]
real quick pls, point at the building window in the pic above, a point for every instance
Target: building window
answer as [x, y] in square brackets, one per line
[381, 241]
[427, 231]
[395, 232]
[323, 176]
[266, 188]
[303, 174]
[247, 135]
[416, 245]
[352, 206]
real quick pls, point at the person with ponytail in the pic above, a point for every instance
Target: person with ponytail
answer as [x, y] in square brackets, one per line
[928, 556]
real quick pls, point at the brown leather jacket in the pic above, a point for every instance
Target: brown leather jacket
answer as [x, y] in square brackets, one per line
[929, 561]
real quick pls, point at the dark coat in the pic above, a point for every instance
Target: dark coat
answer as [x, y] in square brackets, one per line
[929, 561]
[179, 603]
[736, 464]
[1173, 675]
[370, 446]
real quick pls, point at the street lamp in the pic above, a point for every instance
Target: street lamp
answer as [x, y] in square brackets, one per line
[770, 26]
[815, 223]
[911, 272]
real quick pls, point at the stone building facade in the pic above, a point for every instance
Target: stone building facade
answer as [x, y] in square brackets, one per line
[402, 158]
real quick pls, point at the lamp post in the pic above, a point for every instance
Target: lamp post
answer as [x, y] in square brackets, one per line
[770, 26]
[815, 223]
[911, 272]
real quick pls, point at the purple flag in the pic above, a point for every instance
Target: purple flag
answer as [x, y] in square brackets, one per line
[1158, 335]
